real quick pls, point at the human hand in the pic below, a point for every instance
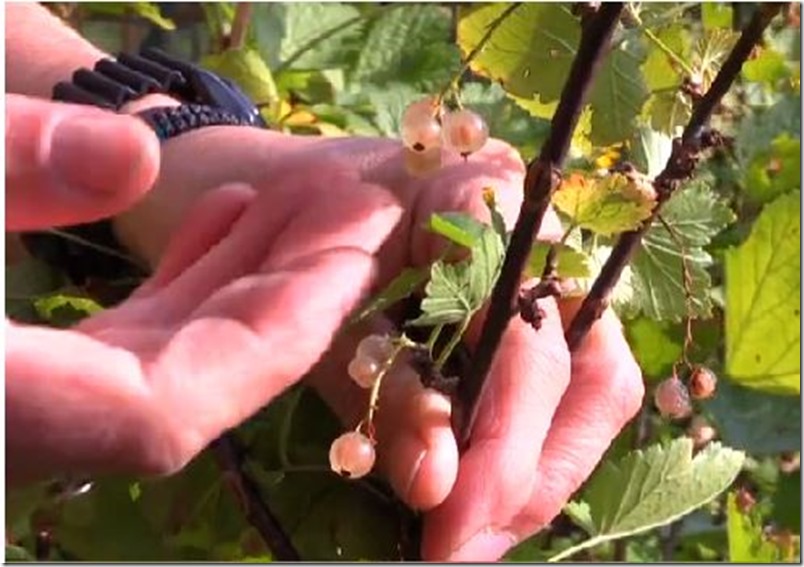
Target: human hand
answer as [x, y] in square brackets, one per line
[238, 310]
[546, 418]
[68, 164]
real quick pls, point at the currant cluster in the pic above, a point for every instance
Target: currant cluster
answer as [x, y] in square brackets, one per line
[427, 125]
[674, 400]
[352, 454]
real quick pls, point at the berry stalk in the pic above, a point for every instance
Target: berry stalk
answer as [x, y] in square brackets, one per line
[541, 180]
[680, 167]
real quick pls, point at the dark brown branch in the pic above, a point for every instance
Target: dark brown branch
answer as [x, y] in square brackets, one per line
[680, 166]
[229, 456]
[541, 180]
[242, 16]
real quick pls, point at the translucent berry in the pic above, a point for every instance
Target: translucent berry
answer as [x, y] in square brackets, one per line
[421, 129]
[672, 399]
[378, 347]
[465, 131]
[703, 383]
[701, 431]
[364, 370]
[352, 455]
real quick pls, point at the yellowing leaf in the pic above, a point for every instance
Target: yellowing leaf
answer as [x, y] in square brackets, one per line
[763, 307]
[606, 206]
[246, 68]
[530, 52]
[747, 543]
[299, 118]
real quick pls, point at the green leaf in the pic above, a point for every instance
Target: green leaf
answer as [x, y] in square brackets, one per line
[769, 67]
[151, 12]
[617, 95]
[652, 149]
[660, 70]
[25, 281]
[651, 488]
[456, 291]
[65, 310]
[408, 46]
[755, 421]
[21, 504]
[747, 543]
[105, 525]
[656, 345]
[762, 126]
[695, 215]
[316, 35]
[389, 103]
[763, 286]
[787, 502]
[402, 286]
[622, 297]
[668, 111]
[246, 68]
[572, 263]
[347, 524]
[580, 145]
[667, 108]
[581, 514]
[146, 10]
[774, 171]
[606, 206]
[15, 553]
[457, 227]
[716, 15]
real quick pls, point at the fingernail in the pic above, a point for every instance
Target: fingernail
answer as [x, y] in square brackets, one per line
[98, 153]
[484, 546]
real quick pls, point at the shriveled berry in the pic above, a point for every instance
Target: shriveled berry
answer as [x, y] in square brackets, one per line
[672, 399]
[703, 383]
[352, 455]
[701, 431]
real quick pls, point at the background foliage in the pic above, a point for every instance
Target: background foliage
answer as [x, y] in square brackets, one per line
[350, 69]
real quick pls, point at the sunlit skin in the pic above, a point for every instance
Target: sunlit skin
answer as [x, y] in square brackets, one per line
[262, 245]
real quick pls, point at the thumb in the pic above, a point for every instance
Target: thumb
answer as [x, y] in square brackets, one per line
[68, 164]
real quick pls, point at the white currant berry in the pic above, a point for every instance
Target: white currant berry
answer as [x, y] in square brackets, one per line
[364, 370]
[465, 131]
[379, 347]
[672, 399]
[421, 128]
[352, 455]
